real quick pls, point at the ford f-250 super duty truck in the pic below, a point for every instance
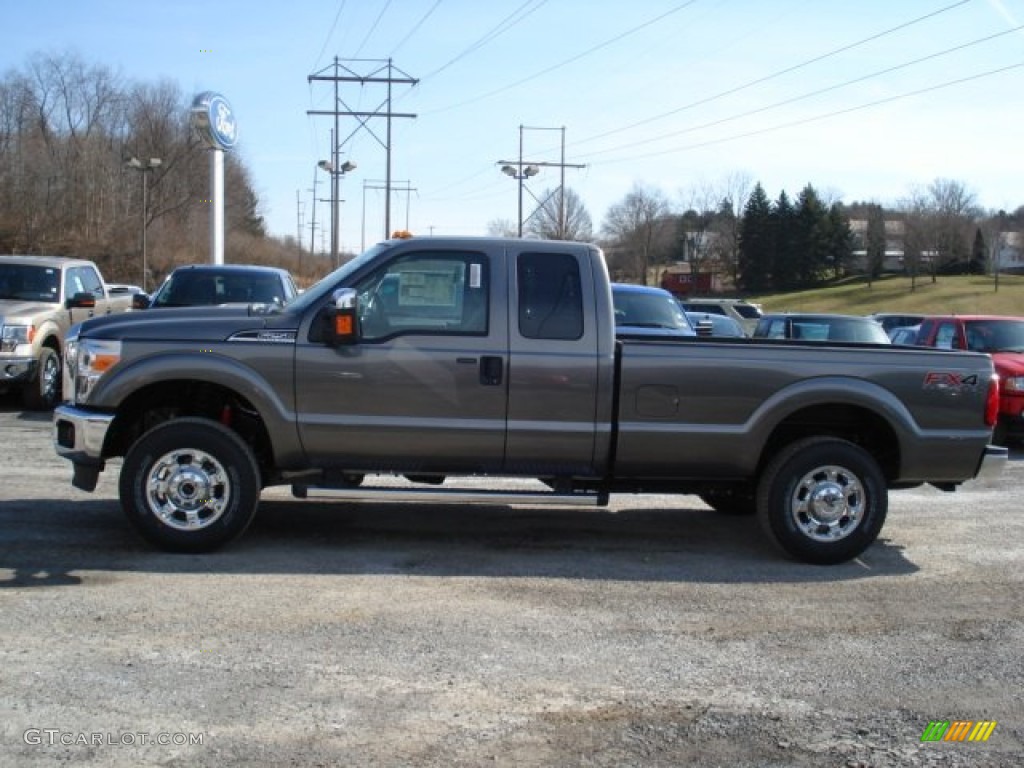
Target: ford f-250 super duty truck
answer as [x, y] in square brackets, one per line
[440, 358]
[40, 298]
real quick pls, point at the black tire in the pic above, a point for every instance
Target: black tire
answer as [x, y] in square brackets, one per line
[190, 485]
[822, 500]
[42, 393]
[735, 502]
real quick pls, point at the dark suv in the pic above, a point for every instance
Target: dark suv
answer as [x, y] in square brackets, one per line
[208, 284]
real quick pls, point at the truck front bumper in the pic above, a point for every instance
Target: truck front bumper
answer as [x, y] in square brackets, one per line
[16, 370]
[78, 436]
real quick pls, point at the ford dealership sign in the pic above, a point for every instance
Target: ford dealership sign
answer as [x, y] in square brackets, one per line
[214, 119]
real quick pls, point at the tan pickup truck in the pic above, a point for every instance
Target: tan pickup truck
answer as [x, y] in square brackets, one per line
[40, 298]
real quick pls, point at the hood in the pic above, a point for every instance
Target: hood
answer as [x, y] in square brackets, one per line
[14, 308]
[1008, 363]
[187, 324]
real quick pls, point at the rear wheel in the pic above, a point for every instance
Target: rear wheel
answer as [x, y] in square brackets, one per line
[42, 393]
[822, 500]
[190, 485]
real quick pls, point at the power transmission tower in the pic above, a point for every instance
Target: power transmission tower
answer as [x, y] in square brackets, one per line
[383, 72]
[522, 169]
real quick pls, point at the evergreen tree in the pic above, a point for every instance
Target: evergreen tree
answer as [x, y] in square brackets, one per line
[978, 251]
[840, 240]
[755, 243]
[874, 246]
[784, 259]
[810, 239]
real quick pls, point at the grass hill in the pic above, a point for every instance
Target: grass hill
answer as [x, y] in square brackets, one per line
[966, 294]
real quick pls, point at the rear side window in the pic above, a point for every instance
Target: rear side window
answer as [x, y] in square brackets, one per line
[550, 300]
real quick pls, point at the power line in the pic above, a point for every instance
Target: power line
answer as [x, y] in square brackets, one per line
[373, 28]
[817, 118]
[810, 94]
[330, 33]
[774, 75]
[570, 60]
[416, 27]
[498, 29]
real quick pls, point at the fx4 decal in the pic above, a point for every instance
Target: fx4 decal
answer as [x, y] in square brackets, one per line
[950, 381]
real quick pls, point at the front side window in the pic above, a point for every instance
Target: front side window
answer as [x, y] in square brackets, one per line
[432, 292]
[550, 299]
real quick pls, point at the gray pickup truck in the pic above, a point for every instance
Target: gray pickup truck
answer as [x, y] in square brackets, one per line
[438, 359]
[40, 298]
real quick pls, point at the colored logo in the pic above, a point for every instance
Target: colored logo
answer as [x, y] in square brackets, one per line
[958, 730]
[214, 120]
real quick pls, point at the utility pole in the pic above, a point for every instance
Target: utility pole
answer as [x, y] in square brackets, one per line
[380, 72]
[389, 188]
[523, 169]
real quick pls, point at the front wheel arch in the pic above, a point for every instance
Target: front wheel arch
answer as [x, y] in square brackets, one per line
[822, 500]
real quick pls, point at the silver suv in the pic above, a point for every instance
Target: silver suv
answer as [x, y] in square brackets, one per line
[744, 312]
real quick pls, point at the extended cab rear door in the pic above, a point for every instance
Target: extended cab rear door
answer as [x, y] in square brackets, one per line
[425, 389]
[562, 365]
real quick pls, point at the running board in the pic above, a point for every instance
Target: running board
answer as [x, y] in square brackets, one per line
[440, 495]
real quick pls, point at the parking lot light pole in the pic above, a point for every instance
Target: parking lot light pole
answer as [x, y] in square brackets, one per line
[144, 167]
[336, 174]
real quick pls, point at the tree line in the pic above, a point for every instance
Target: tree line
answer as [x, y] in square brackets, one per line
[757, 245]
[67, 130]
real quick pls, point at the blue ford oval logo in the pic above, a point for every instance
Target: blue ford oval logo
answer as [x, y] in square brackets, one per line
[214, 119]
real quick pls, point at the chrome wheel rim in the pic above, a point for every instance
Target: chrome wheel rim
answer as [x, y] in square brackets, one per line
[828, 503]
[188, 489]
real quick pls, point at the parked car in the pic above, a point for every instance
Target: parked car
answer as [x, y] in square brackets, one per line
[905, 335]
[720, 325]
[1002, 338]
[198, 285]
[647, 311]
[41, 297]
[892, 320]
[820, 327]
[743, 312]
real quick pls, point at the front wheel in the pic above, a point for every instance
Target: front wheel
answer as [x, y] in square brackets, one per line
[42, 391]
[822, 500]
[190, 485]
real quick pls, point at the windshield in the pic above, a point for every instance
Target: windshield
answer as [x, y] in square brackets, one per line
[328, 283]
[29, 282]
[207, 287]
[648, 310]
[995, 335]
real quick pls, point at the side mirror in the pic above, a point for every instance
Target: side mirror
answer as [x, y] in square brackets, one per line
[705, 328]
[81, 300]
[342, 319]
[140, 301]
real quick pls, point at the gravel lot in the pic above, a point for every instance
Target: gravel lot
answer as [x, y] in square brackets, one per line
[654, 633]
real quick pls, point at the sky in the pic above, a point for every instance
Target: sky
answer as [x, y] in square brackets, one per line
[866, 101]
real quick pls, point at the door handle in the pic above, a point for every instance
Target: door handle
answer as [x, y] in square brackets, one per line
[491, 367]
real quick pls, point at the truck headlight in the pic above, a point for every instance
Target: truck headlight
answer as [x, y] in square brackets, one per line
[86, 361]
[13, 335]
[1013, 384]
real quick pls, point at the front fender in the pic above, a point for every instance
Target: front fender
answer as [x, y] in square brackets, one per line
[273, 404]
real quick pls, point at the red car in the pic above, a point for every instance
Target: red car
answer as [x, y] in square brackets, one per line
[1000, 336]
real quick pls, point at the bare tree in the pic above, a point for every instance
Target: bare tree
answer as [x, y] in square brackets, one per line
[640, 230]
[561, 215]
[954, 209]
[502, 228]
[732, 193]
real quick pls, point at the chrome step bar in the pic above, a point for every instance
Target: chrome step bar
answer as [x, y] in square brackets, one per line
[452, 496]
